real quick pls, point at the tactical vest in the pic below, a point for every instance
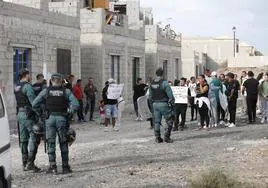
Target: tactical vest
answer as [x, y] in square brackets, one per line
[56, 101]
[158, 93]
[21, 98]
[38, 87]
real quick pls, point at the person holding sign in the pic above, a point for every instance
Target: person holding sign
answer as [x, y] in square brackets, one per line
[192, 86]
[181, 106]
[110, 107]
[202, 101]
[160, 94]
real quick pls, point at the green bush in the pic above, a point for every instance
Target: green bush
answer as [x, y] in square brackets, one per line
[217, 179]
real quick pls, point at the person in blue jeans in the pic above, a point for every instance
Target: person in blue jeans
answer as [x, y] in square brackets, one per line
[110, 107]
[161, 95]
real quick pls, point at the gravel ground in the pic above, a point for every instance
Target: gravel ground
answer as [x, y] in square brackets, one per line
[130, 158]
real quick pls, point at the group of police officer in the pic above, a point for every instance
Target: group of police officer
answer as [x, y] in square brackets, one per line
[52, 107]
[44, 112]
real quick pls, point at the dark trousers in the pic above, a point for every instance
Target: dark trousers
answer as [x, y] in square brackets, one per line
[90, 105]
[232, 109]
[204, 117]
[135, 102]
[251, 105]
[193, 108]
[80, 110]
[180, 110]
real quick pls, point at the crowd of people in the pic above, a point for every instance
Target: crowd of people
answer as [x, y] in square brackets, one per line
[212, 99]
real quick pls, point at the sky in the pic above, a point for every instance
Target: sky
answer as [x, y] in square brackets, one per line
[215, 18]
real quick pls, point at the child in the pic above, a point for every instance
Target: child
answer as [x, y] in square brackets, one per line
[102, 112]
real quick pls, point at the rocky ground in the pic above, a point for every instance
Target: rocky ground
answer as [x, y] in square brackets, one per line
[131, 158]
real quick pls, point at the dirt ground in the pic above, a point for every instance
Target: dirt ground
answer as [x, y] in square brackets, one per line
[131, 158]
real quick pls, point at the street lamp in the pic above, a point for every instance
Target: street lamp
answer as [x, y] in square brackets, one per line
[234, 30]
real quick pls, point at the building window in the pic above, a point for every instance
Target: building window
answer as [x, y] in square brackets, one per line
[165, 68]
[115, 68]
[177, 68]
[21, 60]
[64, 62]
[135, 70]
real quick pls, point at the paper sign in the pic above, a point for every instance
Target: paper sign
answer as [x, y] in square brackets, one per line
[143, 107]
[115, 91]
[180, 94]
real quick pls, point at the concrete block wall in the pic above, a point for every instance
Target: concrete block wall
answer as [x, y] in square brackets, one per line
[38, 4]
[21, 26]
[68, 7]
[92, 21]
[159, 49]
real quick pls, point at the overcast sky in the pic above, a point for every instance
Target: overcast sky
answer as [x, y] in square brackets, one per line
[216, 18]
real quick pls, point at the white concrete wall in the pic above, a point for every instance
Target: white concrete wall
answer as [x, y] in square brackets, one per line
[248, 61]
[44, 32]
[218, 50]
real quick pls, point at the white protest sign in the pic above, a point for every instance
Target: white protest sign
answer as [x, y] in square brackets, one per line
[180, 94]
[143, 107]
[115, 91]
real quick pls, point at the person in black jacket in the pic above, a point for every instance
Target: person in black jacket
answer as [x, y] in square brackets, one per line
[251, 87]
[110, 107]
[232, 88]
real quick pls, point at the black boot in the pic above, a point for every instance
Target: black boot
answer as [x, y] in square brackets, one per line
[158, 140]
[52, 170]
[31, 167]
[66, 169]
[168, 140]
[175, 128]
[24, 166]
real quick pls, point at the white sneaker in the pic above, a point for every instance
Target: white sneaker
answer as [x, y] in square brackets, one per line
[115, 129]
[222, 122]
[140, 119]
[215, 125]
[227, 124]
[106, 129]
[137, 119]
[232, 125]
[263, 120]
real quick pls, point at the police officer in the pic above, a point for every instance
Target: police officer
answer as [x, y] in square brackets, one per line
[25, 96]
[57, 101]
[40, 84]
[160, 94]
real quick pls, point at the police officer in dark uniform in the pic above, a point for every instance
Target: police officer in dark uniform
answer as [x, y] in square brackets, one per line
[25, 96]
[160, 94]
[60, 104]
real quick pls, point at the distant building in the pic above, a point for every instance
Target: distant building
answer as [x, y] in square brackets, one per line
[218, 49]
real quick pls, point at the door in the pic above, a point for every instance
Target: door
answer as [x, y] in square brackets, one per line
[64, 62]
[135, 70]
